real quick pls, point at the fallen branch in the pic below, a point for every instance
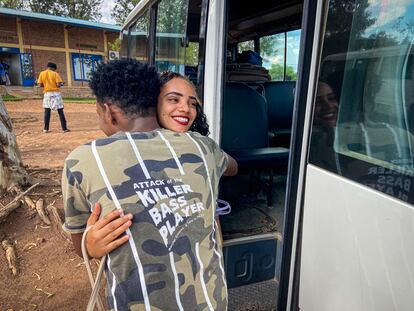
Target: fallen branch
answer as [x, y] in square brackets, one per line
[17, 198]
[29, 246]
[57, 221]
[44, 292]
[42, 212]
[5, 211]
[29, 202]
[10, 256]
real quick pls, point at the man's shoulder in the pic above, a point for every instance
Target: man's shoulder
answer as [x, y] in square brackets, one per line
[80, 153]
[203, 139]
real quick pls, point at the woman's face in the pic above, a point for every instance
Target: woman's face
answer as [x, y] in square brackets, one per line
[177, 105]
[326, 108]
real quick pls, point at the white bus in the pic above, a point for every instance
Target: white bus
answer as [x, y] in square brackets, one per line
[315, 99]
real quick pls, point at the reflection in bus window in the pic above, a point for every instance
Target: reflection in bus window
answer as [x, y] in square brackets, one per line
[138, 39]
[171, 35]
[368, 70]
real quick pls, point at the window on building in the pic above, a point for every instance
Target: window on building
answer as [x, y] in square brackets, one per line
[83, 65]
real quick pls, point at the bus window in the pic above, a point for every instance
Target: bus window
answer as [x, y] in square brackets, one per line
[138, 39]
[362, 126]
[124, 44]
[171, 35]
[245, 46]
[272, 49]
[292, 54]
[191, 61]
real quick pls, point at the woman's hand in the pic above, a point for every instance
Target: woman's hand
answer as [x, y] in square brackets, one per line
[103, 237]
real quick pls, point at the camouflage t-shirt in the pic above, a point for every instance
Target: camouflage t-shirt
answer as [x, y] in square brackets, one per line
[169, 182]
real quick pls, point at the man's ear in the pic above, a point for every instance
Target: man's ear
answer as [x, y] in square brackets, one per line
[110, 114]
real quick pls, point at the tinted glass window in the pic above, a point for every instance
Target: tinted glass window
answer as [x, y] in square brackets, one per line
[364, 106]
[170, 45]
[138, 38]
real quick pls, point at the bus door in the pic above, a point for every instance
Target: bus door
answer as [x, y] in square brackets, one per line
[355, 251]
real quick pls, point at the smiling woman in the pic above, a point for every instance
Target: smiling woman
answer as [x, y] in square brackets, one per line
[178, 105]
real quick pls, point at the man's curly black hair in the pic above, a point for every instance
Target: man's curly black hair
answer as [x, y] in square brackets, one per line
[200, 124]
[129, 84]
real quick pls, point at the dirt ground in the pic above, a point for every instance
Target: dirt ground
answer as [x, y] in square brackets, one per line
[51, 276]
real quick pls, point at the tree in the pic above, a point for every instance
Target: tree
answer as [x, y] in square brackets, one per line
[191, 54]
[276, 73]
[347, 19]
[122, 8]
[44, 6]
[82, 9]
[12, 172]
[12, 4]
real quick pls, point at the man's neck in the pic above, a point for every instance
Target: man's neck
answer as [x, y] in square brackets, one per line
[141, 124]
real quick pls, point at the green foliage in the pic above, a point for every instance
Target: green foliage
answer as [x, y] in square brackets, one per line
[48, 7]
[82, 9]
[191, 54]
[269, 44]
[344, 17]
[79, 100]
[12, 4]
[115, 46]
[276, 73]
[122, 8]
[245, 46]
[172, 16]
[10, 98]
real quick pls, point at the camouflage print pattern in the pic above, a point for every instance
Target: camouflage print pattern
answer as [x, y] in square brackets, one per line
[173, 260]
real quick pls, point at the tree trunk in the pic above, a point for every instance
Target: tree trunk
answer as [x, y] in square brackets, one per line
[12, 172]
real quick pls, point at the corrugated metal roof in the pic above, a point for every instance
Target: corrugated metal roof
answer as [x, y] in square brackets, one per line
[58, 19]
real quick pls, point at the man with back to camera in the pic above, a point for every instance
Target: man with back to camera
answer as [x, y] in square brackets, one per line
[51, 82]
[164, 187]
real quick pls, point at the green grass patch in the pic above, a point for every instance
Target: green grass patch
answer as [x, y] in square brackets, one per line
[79, 100]
[10, 98]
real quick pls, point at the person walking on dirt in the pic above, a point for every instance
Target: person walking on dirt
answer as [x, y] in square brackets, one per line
[51, 82]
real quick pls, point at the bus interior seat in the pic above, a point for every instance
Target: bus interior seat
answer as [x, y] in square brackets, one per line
[245, 131]
[280, 99]
[238, 72]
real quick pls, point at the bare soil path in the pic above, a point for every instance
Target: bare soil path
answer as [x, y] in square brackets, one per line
[51, 276]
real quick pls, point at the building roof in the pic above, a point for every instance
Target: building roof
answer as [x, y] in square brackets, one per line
[58, 19]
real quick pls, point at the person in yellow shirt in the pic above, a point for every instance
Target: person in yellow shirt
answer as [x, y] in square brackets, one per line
[51, 82]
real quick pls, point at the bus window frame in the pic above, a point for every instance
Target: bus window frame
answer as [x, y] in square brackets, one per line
[311, 44]
[202, 48]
